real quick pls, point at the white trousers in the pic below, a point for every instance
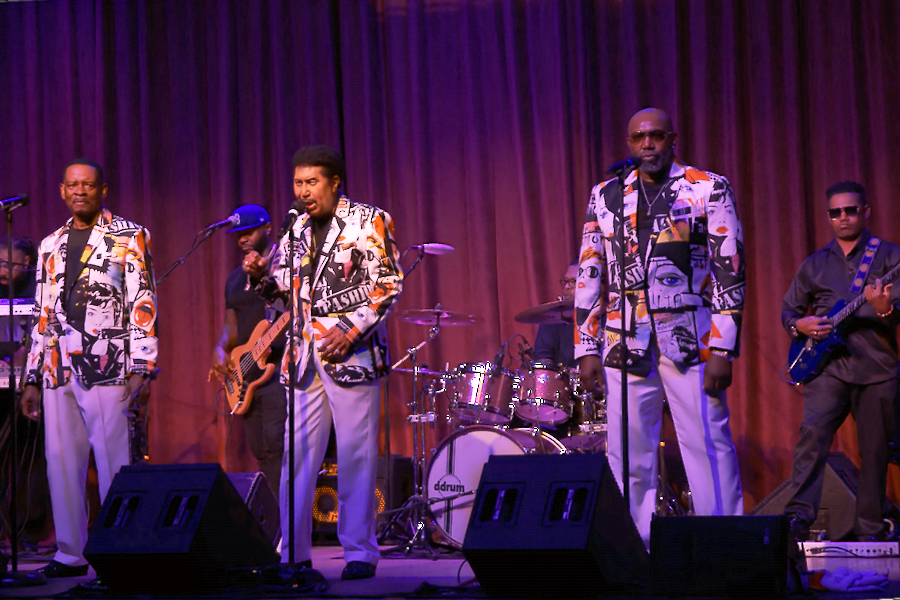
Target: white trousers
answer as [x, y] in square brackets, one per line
[75, 421]
[704, 438]
[355, 412]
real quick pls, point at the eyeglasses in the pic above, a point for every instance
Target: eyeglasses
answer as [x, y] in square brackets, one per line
[850, 211]
[568, 282]
[656, 135]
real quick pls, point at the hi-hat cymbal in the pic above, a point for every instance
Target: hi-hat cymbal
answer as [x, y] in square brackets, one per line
[562, 311]
[422, 371]
[433, 316]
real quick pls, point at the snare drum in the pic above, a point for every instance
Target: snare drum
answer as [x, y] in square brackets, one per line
[455, 470]
[587, 430]
[480, 393]
[544, 393]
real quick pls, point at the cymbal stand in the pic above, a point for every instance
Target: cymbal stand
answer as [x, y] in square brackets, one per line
[414, 506]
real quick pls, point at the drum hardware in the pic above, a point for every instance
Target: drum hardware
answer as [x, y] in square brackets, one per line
[544, 393]
[482, 393]
[416, 523]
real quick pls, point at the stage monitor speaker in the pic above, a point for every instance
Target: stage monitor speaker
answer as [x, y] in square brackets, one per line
[727, 557]
[837, 509]
[257, 494]
[174, 528]
[552, 526]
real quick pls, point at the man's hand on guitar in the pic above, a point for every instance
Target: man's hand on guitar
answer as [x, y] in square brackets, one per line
[334, 346]
[879, 297]
[221, 365]
[816, 328]
[254, 264]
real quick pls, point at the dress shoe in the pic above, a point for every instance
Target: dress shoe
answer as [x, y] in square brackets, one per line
[357, 569]
[55, 569]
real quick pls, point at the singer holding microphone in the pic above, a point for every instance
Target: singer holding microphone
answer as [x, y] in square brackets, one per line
[347, 277]
[93, 345]
[679, 314]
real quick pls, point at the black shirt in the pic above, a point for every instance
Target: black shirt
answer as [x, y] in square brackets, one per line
[824, 278]
[556, 341]
[320, 229]
[250, 310]
[653, 203]
[76, 298]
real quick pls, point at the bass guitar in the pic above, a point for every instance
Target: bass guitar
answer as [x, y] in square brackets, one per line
[249, 369]
[807, 358]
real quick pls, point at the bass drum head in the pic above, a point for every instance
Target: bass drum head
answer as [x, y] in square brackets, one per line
[456, 469]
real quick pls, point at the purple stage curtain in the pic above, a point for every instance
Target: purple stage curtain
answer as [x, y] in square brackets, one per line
[479, 124]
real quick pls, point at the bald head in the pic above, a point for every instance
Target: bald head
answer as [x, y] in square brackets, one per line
[651, 137]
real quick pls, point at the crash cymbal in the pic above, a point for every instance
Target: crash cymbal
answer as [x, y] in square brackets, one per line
[562, 311]
[423, 372]
[432, 316]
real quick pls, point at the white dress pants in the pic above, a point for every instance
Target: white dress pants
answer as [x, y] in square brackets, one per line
[704, 438]
[75, 421]
[355, 412]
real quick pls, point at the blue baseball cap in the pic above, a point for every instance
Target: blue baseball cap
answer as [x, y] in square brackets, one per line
[250, 215]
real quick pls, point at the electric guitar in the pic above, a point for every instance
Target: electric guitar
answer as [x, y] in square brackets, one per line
[249, 364]
[807, 358]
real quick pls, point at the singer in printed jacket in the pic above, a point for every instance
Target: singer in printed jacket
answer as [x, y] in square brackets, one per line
[347, 275]
[676, 323]
[93, 347]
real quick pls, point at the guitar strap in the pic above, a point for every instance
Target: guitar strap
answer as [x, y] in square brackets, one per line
[860, 280]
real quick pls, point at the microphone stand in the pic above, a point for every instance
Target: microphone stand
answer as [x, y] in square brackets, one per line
[292, 386]
[14, 579]
[621, 171]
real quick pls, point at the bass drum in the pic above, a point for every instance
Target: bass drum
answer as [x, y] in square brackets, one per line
[455, 471]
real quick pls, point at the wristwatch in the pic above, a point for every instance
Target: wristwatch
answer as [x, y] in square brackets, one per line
[723, 353]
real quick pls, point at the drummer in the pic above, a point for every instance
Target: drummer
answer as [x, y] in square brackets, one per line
[556, 341]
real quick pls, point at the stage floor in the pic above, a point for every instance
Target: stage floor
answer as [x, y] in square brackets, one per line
[408, 577]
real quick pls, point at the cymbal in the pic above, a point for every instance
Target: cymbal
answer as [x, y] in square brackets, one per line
[422, 372]
[561, 311]
[431, 316]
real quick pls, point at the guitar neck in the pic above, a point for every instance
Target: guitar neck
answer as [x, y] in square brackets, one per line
[266, 340]
[861, 299]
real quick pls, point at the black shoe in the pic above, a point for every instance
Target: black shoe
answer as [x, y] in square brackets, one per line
[55, 569]
[357, 569]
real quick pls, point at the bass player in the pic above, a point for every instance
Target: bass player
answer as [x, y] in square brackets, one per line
[244, 309]
[861, 376]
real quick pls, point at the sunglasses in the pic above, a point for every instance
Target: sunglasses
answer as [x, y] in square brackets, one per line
[656, 135]
[568, 282]
[850, 211]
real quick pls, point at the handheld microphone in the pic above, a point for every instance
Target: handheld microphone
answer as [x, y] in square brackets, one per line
[14, 202]
[624, 167]
[232, 220]
[290, 218]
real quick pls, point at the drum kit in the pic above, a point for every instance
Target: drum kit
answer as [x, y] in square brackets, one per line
[538, 408]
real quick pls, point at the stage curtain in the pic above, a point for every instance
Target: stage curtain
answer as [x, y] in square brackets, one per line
[479, 124]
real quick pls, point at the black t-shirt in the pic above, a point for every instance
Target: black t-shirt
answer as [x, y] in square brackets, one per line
[650, 206]
[250, 310]
[76, 298]
[320, 229]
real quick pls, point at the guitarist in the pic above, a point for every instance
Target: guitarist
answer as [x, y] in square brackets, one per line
[861, 377]
[244, 309]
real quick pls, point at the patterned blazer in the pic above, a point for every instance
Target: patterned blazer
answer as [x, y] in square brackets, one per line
[357, 281]
[688, 288]
[119, 336]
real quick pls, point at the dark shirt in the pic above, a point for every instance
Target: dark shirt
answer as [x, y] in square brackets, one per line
[250, 309]
[320, 229]
[556, 342]
[651, 207]
[869, 354]
[76, 298]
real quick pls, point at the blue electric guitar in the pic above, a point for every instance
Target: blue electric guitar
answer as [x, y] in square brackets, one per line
[808, 357]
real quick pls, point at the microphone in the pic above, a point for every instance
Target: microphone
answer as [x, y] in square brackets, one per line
[529, 351]
[232, 220]
[623, 167]
[498, 361]
[290, 218]
[14, 202]
[435, 248]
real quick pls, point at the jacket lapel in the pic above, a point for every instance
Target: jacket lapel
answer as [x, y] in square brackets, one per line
[334, 231]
